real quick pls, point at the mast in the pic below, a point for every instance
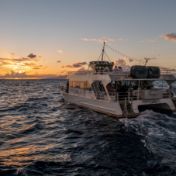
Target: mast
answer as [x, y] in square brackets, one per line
[103, 51]
[101, 66]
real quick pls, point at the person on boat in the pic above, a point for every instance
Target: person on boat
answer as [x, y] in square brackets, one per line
[117, 69]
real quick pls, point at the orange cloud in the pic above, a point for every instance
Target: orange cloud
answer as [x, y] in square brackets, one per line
[60, 51]
[76, 65]
[31, 55]
[20, 64]
[169, 36]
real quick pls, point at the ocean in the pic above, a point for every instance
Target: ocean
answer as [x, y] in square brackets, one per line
[42, 135]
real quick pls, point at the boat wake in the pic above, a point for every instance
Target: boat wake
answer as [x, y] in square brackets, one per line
[159, 135]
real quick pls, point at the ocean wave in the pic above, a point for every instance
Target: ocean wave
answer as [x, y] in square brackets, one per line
[159, 135]
[40, 135]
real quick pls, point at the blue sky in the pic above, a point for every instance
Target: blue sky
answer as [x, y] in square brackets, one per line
[67, 30]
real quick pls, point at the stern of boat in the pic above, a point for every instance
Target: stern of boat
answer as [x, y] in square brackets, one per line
[162, 105]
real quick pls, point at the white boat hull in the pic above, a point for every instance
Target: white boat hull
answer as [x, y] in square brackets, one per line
[113, 108]
[102, 106]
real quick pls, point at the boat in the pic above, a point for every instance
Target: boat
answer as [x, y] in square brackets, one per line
[119, 93]
[173, 89]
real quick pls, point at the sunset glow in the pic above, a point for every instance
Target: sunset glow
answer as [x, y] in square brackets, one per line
[57, 35]
[18, 67]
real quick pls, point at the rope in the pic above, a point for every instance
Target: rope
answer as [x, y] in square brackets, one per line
[119, 52]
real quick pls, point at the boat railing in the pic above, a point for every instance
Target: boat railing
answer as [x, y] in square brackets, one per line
[140, 95]
[123, 74]
[171, 71]
[130, 95]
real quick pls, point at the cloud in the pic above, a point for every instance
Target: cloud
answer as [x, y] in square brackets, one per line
[130, 59]
[36, 67]
[60, 51]
[98, 40]
[68, 66]
[19, 59]
[169, 36]
[20, 64]
[31, 55]
[121, 62]
[79, 64]
[82, 69]
[58, 61]
[3, 62]
[15, 75]
[76, 65]
[33, 65]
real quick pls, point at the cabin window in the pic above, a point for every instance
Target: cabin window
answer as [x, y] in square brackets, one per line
[79, 84]
[98, 89]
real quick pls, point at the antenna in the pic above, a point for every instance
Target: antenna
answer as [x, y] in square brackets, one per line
[103, 51]
[147, 59]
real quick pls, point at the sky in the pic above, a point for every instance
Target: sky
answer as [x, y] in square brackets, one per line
[46, 38]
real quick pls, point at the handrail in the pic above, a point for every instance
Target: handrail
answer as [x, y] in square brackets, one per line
[143, 94]
[121, 96]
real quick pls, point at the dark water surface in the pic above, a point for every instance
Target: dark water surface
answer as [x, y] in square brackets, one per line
[40, 135]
